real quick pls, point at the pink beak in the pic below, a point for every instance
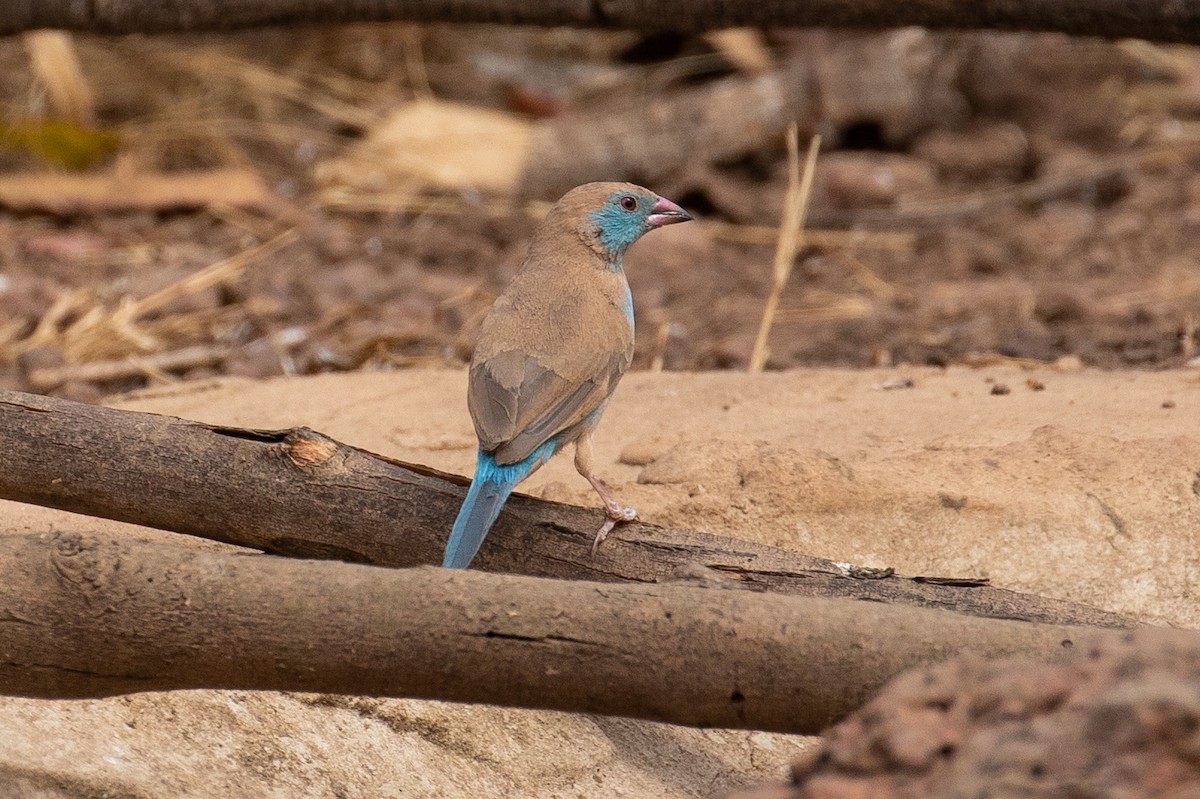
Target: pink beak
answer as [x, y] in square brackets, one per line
[666, 212]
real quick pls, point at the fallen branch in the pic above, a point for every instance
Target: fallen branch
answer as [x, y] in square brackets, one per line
[1173, 22]
[51, 377]
[431, 143]
[297, 492]
[66, 194]
[89, 616]
[660, 131]
[791, 236]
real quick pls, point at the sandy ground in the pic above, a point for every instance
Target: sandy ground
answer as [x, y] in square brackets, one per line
[1076, 484]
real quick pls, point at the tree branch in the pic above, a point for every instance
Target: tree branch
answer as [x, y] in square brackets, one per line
[1174, 22]
[297, 492]
[84, 616]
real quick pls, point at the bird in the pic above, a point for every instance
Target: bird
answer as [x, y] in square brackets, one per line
[551, 351]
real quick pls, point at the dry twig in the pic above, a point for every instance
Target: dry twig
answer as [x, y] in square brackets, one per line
[68, 194]
[54, 61]
[155, 365]
[95, 332]
[790, 237]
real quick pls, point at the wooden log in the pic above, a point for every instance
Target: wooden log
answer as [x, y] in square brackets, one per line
[88, 616]
[297, 492]
[1171, 22]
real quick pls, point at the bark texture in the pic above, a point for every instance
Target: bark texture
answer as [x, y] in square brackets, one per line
[86, 616]
[1161, 21]
[299, 493]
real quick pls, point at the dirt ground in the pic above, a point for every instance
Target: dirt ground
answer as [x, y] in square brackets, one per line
[985, 368]
[1047, 207]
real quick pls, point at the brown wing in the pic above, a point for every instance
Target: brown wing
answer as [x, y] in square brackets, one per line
[518, 404]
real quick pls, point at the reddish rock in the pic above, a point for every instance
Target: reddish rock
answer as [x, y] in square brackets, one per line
[1119, 718]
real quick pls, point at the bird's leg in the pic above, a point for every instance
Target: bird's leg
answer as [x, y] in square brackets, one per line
[616, 511]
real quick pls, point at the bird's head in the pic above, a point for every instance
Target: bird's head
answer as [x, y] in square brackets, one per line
[615, 215]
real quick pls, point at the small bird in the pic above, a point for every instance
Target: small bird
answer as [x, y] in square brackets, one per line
[551, 351]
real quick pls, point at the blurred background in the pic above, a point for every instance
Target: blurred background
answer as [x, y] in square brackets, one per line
[310, 200]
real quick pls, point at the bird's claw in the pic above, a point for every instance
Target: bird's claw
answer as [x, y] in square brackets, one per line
[622, 514]
[609, 524]
[616, 515]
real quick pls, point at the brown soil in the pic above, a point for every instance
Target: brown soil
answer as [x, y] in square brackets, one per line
[1099, 265]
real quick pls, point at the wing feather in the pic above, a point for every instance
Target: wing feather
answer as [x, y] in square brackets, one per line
[514, 420]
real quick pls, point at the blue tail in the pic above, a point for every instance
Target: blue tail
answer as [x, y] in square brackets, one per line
[489, 490]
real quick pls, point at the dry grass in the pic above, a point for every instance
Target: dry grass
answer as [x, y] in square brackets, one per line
[103, 340]
[745, 48]
[791, 234]
[865, 277]
[85, 330]
[837, 309]
[265, 84]
[55, 64]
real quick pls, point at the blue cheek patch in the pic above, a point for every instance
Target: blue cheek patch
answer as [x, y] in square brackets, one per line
[619, 228]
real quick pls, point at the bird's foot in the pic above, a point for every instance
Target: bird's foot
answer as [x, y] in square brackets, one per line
[617, 514]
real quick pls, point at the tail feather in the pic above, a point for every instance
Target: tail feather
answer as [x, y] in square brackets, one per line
[489, 491]
[479, 510]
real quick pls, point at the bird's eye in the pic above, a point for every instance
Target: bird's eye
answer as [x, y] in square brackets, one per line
[629, 203]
